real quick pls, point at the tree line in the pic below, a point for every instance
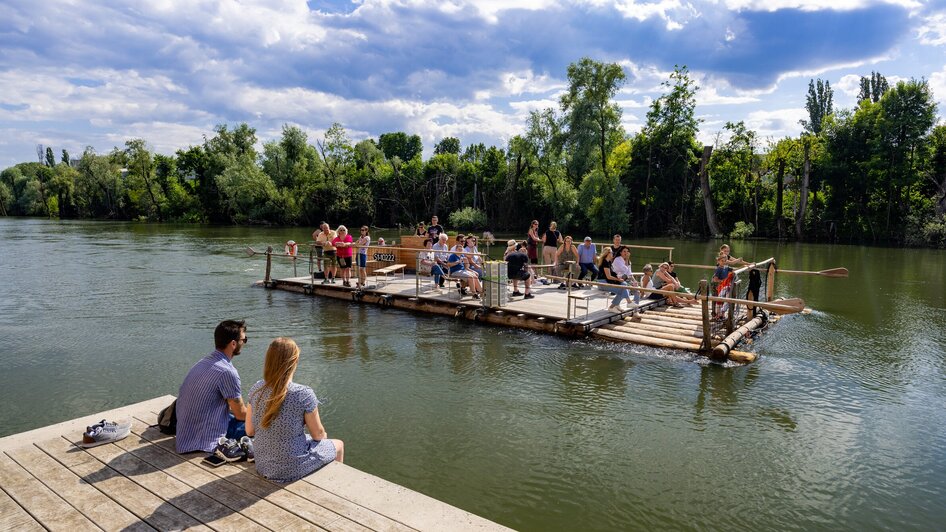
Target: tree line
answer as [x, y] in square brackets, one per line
[875, 173]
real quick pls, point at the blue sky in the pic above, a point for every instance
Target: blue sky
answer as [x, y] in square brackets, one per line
[76, 73]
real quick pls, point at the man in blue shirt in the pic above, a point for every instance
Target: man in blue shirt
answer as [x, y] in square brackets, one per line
[587, 254]
[210, 402]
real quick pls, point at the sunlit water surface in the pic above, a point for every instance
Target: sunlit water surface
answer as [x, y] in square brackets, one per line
[840, 424]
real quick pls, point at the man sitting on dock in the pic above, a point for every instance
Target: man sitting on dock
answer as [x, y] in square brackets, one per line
[210, 402]
[520, 270]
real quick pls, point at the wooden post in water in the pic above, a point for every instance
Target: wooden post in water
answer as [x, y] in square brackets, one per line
[770, 282]
[269, 265]
[706, 346]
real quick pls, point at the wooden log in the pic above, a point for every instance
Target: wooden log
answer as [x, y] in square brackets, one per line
[631, 329]
[644, 340]
[670, 320]
[687, 319]
[666, 324]
[658, 328]
[742, 356]
[704, 314]
[269, 265]
[723, 348]
[770, 283]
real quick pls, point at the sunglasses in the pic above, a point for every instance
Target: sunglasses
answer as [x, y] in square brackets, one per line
[244, 339]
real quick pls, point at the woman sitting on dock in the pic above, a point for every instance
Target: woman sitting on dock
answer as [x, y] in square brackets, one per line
[620, 293]
[344, 252]
[279, 412]
[566, 261]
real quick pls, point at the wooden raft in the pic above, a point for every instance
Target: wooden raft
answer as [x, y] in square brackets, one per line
[656, 326]
[140, 483]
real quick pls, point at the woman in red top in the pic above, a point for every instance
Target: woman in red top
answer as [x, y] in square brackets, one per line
[343, 245]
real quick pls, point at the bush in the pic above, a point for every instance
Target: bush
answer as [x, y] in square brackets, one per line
[742, 230]
[926, 231]
[468, 218]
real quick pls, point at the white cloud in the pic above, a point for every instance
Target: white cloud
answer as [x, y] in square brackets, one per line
[776, 123]
[709, 95]
[813, 5]
[933, 30]
[100, 94]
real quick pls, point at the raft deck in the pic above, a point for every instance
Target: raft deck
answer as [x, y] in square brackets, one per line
[140, 483]
[651, 323]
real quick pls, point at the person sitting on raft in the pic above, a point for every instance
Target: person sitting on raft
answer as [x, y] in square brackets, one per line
[566, 261]
[622, 268]
[473, 260]
[278, 414]
[441, 254]
[520, 270]
[620, 292]
[663, 281]
[586, 260]
[456, 265]
[428, 263]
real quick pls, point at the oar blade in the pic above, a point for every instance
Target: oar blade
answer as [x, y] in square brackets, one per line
[249, 251]
[834, 272]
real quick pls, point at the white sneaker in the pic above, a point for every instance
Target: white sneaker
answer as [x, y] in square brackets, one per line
[615, 308]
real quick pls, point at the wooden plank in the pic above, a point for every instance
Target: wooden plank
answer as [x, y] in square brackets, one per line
[397, 502]
[134, 498]
[14, 517]
[46, 507]
[223, 491]
[247, 478]
[94, 505]
[77, 426]
[194, 503]
[666, 324]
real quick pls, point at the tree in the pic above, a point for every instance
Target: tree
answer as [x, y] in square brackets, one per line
[872, 88]
[65, 157]
[50, 158]
[708, 204]
[447, 145]
[140, 165]
[401, 145]
[819, 104]
[592, 120]
[665, 156]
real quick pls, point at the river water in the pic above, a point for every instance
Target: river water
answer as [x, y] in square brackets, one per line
[840, 424]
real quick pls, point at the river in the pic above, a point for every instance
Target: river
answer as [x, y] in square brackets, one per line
[840, 424]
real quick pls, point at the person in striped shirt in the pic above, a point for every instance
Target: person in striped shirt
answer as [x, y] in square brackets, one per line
[210, 402]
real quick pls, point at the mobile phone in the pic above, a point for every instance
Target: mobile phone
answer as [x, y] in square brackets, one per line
[213, 460]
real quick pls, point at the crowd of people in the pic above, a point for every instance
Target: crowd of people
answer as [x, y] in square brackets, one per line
[461, 262]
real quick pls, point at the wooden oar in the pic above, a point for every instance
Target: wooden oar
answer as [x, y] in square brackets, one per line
[250, 251]
[833, 272]
[782, 306]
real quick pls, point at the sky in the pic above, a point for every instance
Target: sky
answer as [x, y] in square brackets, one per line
[76, 74]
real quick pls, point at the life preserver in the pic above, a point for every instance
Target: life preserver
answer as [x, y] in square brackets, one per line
[292, 248]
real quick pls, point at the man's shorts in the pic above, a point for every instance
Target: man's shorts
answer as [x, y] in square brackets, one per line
[344, 262]
[521, 276]
[330, 258]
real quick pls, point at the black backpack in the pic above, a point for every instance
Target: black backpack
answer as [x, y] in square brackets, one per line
[167, 419]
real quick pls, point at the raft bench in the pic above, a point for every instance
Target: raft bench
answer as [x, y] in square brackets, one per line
[388, 273]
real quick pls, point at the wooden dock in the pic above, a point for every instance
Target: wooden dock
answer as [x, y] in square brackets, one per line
[651, 323]
[140, 483]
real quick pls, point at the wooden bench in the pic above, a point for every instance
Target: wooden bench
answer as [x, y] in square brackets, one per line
[388, 273]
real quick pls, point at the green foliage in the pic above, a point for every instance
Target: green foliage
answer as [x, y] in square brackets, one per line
[468, 218]
[401, 145]
[742, 230]
[819, 103]
[877, 172]
[448, 145]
